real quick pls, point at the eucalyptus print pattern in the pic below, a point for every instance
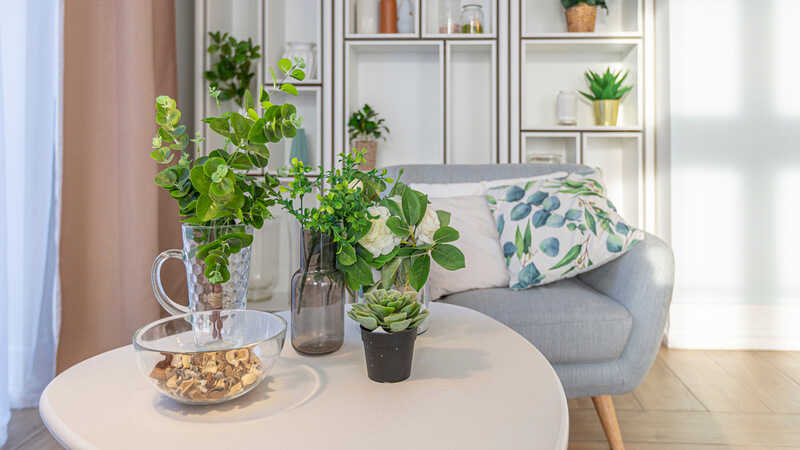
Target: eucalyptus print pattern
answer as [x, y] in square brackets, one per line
[559, 227]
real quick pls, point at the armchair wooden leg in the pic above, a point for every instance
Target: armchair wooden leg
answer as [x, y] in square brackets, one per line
[608, 417]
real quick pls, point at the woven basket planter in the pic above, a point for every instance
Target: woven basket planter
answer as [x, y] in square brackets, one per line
[581, 18]
[371, 156]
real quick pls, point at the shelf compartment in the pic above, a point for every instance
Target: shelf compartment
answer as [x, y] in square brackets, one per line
[553, 148]
[619, 156]
[545, 18]
[350, 24]
[471, 102]
[550, 66]
[431, 25]
[291, 21]
[309, 107]
[378, 73]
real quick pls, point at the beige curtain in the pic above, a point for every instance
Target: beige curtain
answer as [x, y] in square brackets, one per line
[118, 56]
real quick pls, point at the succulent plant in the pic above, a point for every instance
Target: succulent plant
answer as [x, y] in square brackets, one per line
[389, 309]
[606, 87]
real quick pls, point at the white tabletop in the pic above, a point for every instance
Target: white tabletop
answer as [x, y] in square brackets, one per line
[475, 384]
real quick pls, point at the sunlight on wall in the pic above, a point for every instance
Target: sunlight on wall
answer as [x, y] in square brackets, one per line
[708, 262]
[787, 251]
[705, 34]
[786, 88]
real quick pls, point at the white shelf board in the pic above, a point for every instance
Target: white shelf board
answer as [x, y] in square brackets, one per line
[461, 36]
[380, 36]
[553, 65]
[576, 128]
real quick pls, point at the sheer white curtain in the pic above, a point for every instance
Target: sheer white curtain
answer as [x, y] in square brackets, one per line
[30, 168]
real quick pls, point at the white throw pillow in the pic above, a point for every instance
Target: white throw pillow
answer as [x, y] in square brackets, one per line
[557, 227]
[478, 240]
[445, 190]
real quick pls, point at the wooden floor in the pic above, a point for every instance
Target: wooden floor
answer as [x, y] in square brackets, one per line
[703, 400]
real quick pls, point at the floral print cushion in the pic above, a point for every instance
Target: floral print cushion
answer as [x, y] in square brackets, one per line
[559, 227]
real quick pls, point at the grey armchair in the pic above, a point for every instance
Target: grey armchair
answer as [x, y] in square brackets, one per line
[600, 330]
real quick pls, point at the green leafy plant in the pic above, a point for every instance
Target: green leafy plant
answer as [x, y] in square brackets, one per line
[342, 209]
[423, 235]
[606, 87]
[366, 124]
[570, 3]
[214, 190]
[391, 310]
[232, 73]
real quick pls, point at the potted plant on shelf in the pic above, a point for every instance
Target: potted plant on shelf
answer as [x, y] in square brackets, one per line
[607, 90]
[330, 233]
[389, 321]
[582, 14]
[219, 204]
[231, 74]
[365, 128]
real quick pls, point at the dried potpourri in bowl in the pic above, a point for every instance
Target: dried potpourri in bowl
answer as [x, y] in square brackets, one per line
[186, 358]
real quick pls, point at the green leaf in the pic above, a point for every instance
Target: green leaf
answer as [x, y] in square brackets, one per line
[398, 227]
[448, 257]
[289, 89]
[285, 65]
[414, 206]
[200, 180]
[298, 75]
[346, 255]
[166, 178]
[447, 234]
[420, 269]
[526, 241]
[571, 255]
[211, 165]
[394, 327]
[444, 218]
[248, 100]
[519, 243]
[240, 125]
[590, 222]
[389, 272]
[219, 126]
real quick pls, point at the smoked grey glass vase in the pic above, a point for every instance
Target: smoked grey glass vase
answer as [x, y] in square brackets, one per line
[318, 297]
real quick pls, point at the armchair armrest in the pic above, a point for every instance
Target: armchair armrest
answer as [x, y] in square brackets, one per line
[642, 281]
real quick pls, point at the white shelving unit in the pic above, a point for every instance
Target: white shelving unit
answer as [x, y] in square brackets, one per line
[549, 147]
[620, 157]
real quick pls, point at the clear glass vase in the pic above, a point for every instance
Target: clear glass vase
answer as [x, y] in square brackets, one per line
[203, 294]
[318, 297]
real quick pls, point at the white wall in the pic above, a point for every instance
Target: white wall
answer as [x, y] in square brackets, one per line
[731, 140]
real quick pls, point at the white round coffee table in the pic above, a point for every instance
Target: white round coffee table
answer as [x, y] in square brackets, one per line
[475, 384]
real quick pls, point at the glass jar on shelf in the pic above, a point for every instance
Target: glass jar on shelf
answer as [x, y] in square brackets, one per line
[449, 14]
[472, 19]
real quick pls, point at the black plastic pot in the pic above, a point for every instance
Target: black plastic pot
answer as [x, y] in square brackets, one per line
[389, 355]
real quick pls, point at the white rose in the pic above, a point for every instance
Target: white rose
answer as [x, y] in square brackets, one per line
[380, 240]
[427, 227]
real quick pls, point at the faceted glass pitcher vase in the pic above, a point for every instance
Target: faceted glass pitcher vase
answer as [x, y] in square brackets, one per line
[204, 295]
[317, 297]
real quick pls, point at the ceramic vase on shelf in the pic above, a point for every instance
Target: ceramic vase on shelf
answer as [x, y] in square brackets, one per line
[318, 297]
[581, 18]
[606, 112]
[388, 17]
[567, 108]
[371, 155]
[367, 16]
[306, 51]
[405, 16]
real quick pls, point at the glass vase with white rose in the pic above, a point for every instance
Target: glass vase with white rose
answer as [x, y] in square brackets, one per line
[405, 236]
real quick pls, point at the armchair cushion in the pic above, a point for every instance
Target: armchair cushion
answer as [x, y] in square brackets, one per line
[568, 321]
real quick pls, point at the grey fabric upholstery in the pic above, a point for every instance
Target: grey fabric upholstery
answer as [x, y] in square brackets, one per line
[568, 321]
[601, 330]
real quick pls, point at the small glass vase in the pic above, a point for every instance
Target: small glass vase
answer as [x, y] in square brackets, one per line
[318, 297]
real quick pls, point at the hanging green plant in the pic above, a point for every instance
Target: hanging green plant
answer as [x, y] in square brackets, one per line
[232, 73]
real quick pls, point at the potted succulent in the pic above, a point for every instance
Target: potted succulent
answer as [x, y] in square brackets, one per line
[389, 321]
[582, 14]
[219, 204]
[365, 127]
[232, 73]
[607, 90]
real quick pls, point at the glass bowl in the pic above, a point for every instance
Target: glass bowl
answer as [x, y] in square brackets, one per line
[209, 357]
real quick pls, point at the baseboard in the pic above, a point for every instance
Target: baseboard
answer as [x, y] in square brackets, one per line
[734, 327]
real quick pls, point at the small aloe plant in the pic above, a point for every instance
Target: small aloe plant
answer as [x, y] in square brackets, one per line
[389, 309]
[606, 87]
